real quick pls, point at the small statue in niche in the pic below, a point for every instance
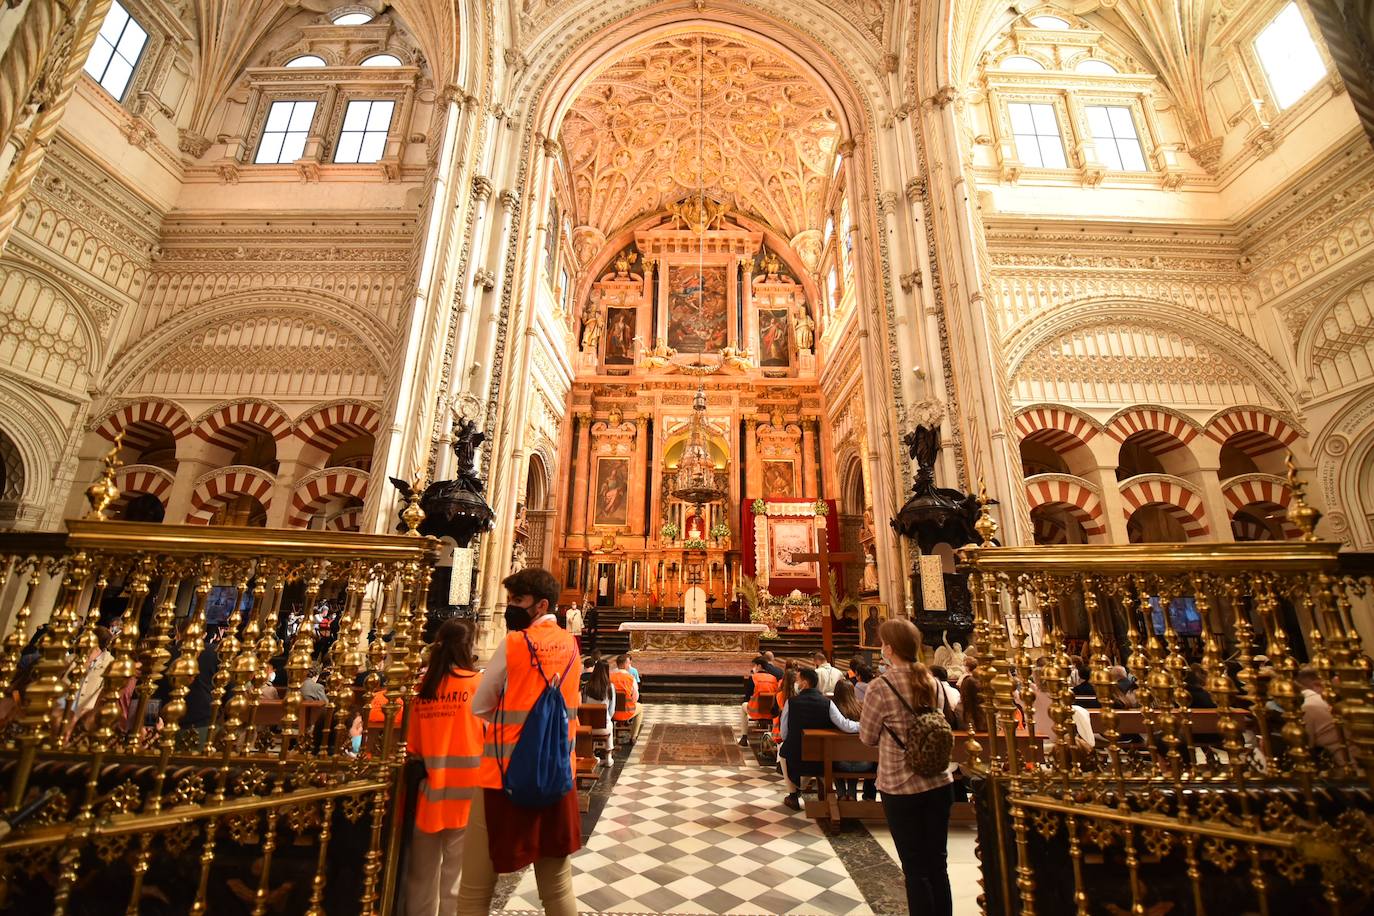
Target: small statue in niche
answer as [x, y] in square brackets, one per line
[806, 331]
[615, 417]
[870, 580]
[591, 329]
[624, 262]
[770, 265]
[466, 439]
[518, 557]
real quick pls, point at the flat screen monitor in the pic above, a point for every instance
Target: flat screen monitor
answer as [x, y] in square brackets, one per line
[220, 604]
[1182, 613]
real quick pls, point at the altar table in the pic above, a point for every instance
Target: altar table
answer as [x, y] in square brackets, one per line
[689, 638]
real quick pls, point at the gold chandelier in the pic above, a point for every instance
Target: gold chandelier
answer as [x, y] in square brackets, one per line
[695, 481]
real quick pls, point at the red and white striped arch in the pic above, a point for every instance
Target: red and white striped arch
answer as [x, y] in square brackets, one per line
[225, 485]
[1056, 427]
[1164, 430]
[321, 488]
[1178, 500]
[140, 479]
[140, 422]
[328, 427]
[230, 426]
[1252, 430]
[1262, 495]
[1081, 502]
[350, 519]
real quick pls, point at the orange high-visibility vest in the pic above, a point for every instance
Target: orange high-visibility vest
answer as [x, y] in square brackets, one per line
[376, 713]
[624, 681]
[554, 648]
[763, 683]
[448, 737]
[777, 719]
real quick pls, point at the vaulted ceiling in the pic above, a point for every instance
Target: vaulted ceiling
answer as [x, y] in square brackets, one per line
[767, 140]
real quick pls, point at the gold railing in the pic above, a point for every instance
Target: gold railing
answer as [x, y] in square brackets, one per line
[267, 801]
[1177, 808]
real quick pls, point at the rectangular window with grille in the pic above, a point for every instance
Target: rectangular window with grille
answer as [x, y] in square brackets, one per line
[1036, 130]
[363, 138]
[116, 51]
[284, 133]
[1113, 130]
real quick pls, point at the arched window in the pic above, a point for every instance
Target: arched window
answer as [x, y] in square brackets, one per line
[1020, 64]
[352, 18]
[1093, 67]
[847, 241]
[1049, 22]
[306, 60]
[382, 60]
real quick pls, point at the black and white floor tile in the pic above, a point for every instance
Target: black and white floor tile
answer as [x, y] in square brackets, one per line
[677, 839]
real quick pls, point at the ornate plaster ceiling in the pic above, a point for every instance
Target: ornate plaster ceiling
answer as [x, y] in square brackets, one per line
[768, 141]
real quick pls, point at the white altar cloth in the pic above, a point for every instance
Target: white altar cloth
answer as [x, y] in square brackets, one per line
[630, 626]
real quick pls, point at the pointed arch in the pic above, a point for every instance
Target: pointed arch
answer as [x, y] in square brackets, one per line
[1175, 495]
[224, 484]
[223, 426]
[1171, 428]
[321, 487]
[1076, 495]
[1253, 430]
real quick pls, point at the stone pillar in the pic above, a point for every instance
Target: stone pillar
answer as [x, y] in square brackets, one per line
[808, 457]
[655, 471]
[639, 472]
[1208, 480]
[751, 315]
[1113, 508]
[581, 475]
[753, 480]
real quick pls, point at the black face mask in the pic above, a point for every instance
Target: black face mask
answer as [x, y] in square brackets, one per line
[517, 618]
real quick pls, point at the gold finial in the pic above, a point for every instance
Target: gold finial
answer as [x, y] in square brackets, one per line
[104, 492]
[1303, 516]
[412, 514]
[986, 525]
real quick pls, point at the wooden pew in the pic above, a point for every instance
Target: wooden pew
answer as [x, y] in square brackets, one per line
[270, 712]
[587, 767]
[767, 706]
[827, 746]
[627, 731]
[593, 715]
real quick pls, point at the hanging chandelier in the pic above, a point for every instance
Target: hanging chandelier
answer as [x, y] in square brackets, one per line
[695, 481]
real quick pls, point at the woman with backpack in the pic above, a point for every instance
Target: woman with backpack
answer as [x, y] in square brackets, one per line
[914, 742]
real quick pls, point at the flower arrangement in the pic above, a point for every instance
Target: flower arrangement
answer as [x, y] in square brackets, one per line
[669, 531]
[694, 544]
[720, 530]
[758, 507]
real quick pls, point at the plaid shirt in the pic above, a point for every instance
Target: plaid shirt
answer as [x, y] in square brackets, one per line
[883, 708]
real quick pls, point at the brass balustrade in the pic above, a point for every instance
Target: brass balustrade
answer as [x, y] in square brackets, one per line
[1256, 818]
[234, 815]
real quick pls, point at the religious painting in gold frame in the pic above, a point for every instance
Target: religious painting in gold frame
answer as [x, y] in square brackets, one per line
[620, 336]
[872, 615]
[611, 492]
[778, 479]
[775, 338]
[697, 319]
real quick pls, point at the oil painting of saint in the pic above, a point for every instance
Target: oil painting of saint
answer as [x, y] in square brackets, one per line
[696, 309]
[612, 491]
[777, 478]
[620, 335]
[774, 338]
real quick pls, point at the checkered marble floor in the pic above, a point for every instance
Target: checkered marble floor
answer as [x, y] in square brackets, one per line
[690, 840]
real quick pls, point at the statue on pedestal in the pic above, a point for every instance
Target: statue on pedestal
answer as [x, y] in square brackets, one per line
[806, 333]
[951, 658]
[660, 356]
[591, 329]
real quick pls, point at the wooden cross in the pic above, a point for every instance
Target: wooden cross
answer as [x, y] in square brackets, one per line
[825, 559]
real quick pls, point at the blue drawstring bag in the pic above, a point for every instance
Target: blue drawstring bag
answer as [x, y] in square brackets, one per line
[540, 768]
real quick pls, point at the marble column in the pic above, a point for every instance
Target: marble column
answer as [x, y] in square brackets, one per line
[751, 315]
[639, 472]
[753, 472]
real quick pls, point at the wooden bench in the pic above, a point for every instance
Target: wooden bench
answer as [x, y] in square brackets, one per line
[587, 768]
[826, 746]
[1203, 733]
[593, 715]
[627, 730]
[763, 726]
